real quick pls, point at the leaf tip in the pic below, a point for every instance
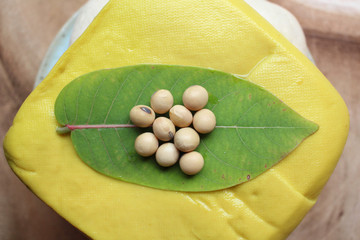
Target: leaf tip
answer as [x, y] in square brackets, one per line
[315, 127]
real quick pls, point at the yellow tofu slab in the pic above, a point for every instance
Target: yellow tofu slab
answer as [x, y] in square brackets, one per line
[226, 35]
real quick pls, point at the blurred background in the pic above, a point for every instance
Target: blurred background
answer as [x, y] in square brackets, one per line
[332, 30]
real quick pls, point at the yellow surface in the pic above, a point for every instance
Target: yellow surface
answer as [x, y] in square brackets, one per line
[221, 34]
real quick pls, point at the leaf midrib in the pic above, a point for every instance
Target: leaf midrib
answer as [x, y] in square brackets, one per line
[98, 126]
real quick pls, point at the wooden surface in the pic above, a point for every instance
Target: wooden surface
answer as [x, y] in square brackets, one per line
[335, 19]
[27, 28]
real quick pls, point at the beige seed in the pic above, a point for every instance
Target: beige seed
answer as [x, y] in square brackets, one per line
[186, 139]
[146, 144]
[163, 129]
[180, 116]
[204, 121]
[191, 163]
[195, 97]
[167, 155]
[161, 101]
[142, 116]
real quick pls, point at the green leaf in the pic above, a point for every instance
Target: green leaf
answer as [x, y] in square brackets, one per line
[255, 130]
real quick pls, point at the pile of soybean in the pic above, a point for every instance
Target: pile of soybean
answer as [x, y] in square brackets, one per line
[185, 139]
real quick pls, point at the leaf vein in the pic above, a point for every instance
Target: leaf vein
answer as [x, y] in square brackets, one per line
[107, 151]
[219, 159]
[64, 103]
[93, 102]
[114, 99]
[121, 142]
[77, 102]
[271, 139]
[248, 148]
[88, 142]
[264, 127]
[239, 135]
[221, 99]
[141, 93]
[247, 111]
[207, 80]
[176, 82]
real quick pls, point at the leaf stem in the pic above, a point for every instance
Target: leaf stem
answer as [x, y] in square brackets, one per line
[62, 130]
[68, 128]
